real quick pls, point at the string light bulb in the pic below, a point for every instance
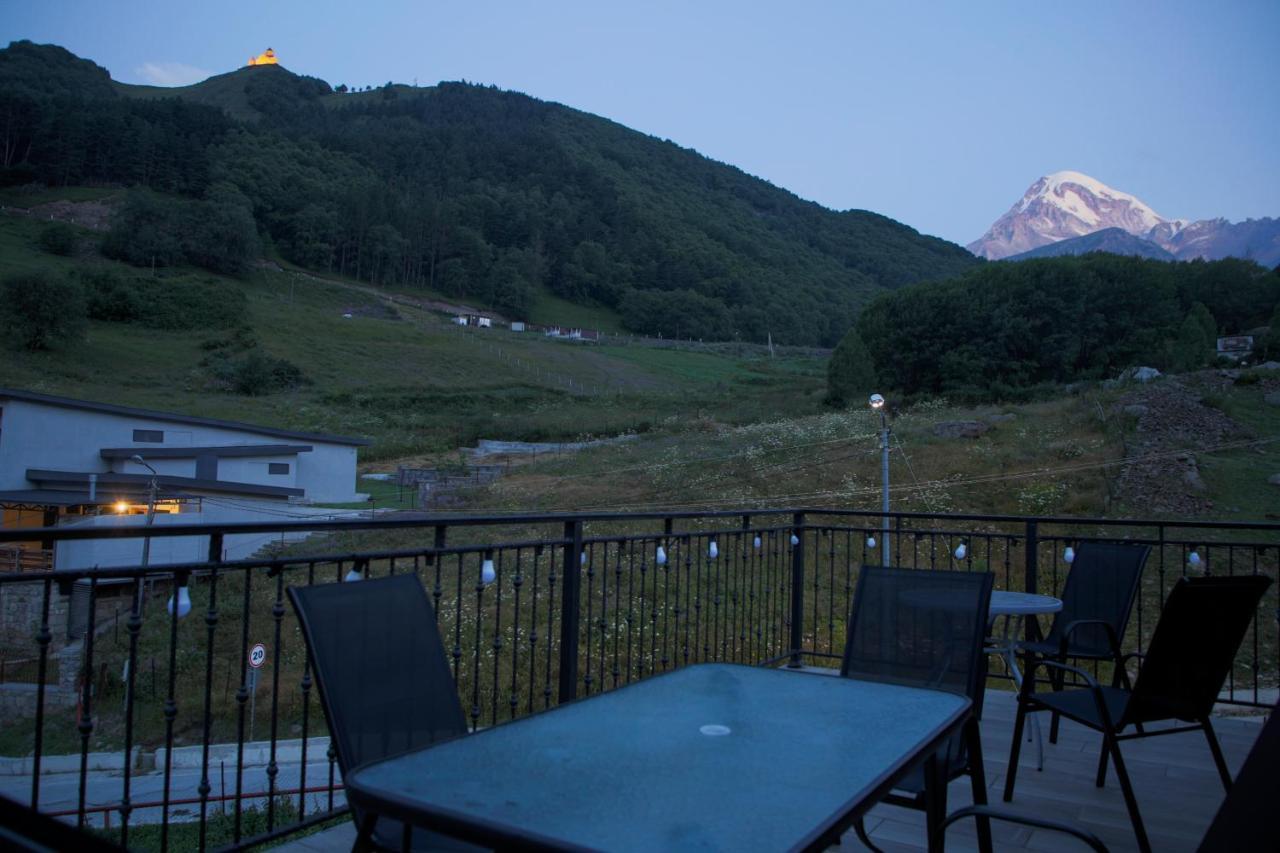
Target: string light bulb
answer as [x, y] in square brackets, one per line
[713, 550]
[353, 575]
[1069, 555]
[871, 541]
[1194, 559]
[184, 602]
[661, 558]
[795, 540]
[756, 542]
[961, 551]
[487, 573]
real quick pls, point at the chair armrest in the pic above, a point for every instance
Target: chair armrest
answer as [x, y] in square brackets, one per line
[1094, 688]
[1026, 820]
[1111, 636]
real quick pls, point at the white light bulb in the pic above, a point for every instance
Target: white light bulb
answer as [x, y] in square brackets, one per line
[353, 576]
[1194, 558]
[756, 543]
[1069, 555]
[871, 541]
[487, 574]
[184, 602]
[713, 550]
[961, 550]
[662, 556]
[795, 540]
[583, 558]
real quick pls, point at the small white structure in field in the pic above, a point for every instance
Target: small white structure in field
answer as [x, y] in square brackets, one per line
[459, 320]
[484, 322]
[517, 326]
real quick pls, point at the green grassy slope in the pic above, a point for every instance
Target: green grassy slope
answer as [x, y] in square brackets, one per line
[405, 377]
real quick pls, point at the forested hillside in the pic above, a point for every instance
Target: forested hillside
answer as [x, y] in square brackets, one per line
[1005, 328]
[464, 190]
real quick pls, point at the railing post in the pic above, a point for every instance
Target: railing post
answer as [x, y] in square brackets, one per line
[1031, 576]
[569, 607]
[215, 547]
[797, 590]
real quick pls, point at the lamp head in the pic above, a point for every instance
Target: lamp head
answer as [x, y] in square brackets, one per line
[876, 402]
[137, 458]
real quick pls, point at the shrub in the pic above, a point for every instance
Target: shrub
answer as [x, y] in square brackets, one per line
[58, 239]
[255, 373]
[38, 313]
[111, 298]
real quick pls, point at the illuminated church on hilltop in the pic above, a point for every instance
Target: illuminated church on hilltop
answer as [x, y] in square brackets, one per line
[268, 58]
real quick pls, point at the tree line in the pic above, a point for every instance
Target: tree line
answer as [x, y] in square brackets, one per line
[1004, 329]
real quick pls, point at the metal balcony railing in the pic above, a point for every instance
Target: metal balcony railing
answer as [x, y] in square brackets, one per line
[160, 715]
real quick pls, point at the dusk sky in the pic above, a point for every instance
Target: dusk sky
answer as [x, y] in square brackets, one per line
[938, 115]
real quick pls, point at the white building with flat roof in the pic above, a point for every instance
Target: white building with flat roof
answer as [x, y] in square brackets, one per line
[66, 461]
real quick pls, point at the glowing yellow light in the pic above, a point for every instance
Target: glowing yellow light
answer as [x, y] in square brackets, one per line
[122, 507]
[268, 58]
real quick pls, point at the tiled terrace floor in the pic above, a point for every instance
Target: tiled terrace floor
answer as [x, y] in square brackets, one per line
[1176, 785]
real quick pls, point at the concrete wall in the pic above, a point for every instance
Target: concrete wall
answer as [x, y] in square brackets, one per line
[35, 435]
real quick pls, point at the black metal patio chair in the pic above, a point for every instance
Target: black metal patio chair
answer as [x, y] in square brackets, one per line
[925, 628]
[1191, 653]
[1096, 602]
[1245, 820]
[383, 679]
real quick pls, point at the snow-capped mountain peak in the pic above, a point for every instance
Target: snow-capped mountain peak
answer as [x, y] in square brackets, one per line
[1061, 206]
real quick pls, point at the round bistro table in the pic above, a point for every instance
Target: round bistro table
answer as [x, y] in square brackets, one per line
[1015, 607]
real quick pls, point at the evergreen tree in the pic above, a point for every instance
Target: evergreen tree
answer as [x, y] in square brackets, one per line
[1205, 318]
[851, 375]
[1191, 347]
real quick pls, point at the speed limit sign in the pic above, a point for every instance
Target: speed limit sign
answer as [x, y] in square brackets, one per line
[257, 655]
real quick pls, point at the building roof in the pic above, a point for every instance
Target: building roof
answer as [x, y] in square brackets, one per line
[51, 497]
[128, 411]
[223, 451]
[140, 482]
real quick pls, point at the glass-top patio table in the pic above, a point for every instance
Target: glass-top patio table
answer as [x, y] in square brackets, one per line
[707, 757]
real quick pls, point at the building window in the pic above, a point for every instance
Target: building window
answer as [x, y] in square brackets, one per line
[148, 436]
[277, 467]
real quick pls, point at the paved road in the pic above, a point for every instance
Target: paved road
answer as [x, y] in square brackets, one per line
[59, 791]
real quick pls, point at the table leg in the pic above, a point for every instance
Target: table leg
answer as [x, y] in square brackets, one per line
[935, 802]
[1009, 652]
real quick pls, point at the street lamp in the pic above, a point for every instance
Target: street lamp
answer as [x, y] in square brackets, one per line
[151, 504]
[877, 405]
[181, 598]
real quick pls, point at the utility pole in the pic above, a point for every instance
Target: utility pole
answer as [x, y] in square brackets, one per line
[151, 506]
[877, 405]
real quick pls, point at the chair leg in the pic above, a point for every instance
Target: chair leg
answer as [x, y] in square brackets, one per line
[1101, 781]
[978, 779]
[860, 829]
[1056, 678]
[1216, 749]
[1126, 787]
[1012, 773]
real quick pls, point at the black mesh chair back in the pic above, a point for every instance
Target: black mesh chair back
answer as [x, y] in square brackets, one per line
[919, 627]
[1194, 646]
[383, 677]
[1102, 584]
[1246, 819]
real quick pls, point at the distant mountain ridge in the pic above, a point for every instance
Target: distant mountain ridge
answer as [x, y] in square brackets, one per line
[1066, 207]
[1115, 241]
